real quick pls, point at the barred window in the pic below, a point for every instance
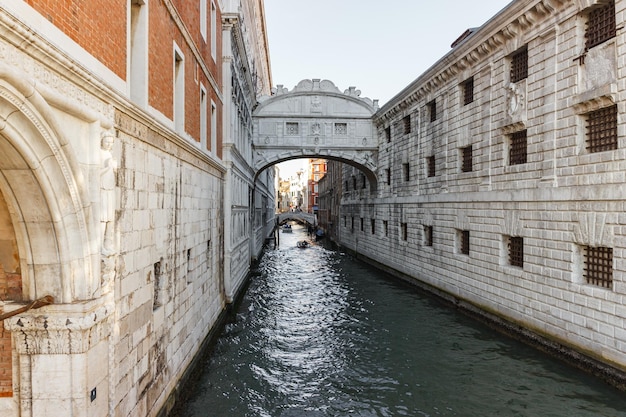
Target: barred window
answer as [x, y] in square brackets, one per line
[432, 109]
[406, 172]
[464, 242]
[516, 251]
[363, 182]
[519, 65]
[428, 235]
[600, 25]
[388, 172]
[373, 224]
[341, 129]
[291, 128]
[354, 182]
[386, 227]
[388, 133]
[518, 148]
[361, 228]
[404, 230]
[407, 124]
[598, 266]
[466, 159]
[352, 223]
[602, 129]
[430, 165]
[468, 91]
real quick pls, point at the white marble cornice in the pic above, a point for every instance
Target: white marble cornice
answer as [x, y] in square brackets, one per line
[509, 24]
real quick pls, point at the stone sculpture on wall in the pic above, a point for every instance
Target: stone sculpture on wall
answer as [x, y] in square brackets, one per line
[108, 171]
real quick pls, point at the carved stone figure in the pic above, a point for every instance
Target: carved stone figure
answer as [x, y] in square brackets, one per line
[108, 172]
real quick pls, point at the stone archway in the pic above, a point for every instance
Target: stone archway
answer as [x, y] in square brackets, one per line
[316, 120]
[40, 181]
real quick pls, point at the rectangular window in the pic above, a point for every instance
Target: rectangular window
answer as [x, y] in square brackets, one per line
[404, 230]
[600, 25]
[158, 285]
[516, 251]
[138, 54]
[430, 166]
[406, 172]
[432, 110]
[373, 225]
[179, 91]
[292, 128]
[386, 228]
[468, 91]
[213, 31]
[203, 18]
[464, 242]
[361, 227]
[428, 235]
[352, 223]
[213, 128]
[388, 171]
[466, 159]
[518, 148]
[598, 268]
[602, 129]
[341, 129]
[203, 118]
[407, 124]
[388, 133]
[519, 65]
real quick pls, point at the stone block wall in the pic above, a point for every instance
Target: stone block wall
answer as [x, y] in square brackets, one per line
[562, 201]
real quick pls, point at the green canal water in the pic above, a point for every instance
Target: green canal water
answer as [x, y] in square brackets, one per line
[319, 333]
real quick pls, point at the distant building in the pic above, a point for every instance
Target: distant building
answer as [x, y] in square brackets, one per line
[317, 170]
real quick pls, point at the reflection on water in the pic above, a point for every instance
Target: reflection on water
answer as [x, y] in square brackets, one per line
[320, 334]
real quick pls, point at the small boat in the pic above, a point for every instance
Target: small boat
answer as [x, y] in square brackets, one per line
[287, 228]
[303, 244]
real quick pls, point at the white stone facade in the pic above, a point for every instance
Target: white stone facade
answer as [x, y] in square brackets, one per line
[561, 200]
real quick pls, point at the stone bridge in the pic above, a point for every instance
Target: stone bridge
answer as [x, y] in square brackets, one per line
[316, 120]
[299, 216]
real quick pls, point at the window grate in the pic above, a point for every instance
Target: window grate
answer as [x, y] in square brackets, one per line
[600, 25]
[292, 128]
[518, 149]
[388, 170]
[373, 224]
[430, 162]
[405, 231]
[388, 133]
[341, 129]
[468, 91]
[406, 172]
[466, 159]
[516, 251]
[599, 266]
[465, 242]
[432, 109]
[428, 235]
[602, 130]
[407, 124]
[519, 65]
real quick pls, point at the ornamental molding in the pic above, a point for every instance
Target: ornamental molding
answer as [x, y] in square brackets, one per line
[592, 230]
[61, 328]
[465, 56]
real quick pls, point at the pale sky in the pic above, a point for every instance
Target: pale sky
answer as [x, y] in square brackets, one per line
[377, 46]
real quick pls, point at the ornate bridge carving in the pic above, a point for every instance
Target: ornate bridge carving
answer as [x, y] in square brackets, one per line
[316, 120]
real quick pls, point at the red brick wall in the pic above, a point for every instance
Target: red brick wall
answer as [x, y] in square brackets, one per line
[98, 26]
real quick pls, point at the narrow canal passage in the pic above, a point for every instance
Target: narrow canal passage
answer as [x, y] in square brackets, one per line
[321, 334]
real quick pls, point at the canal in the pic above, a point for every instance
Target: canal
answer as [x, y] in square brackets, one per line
[319, 333]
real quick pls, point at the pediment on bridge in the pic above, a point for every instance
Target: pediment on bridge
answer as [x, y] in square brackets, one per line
[316, 98]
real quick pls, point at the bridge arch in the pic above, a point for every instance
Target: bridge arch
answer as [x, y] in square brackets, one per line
[316, 120]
